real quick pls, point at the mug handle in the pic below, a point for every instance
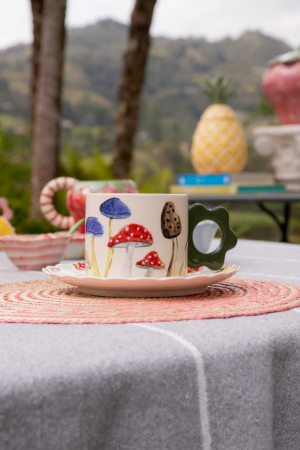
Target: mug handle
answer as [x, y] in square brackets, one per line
[214, 260]
[47, 206]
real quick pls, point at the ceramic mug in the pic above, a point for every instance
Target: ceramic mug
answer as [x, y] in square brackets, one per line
[75, 199]
[151, 235]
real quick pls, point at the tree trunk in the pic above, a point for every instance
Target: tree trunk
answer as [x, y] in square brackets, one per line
[47, 101]
[135, 60]
[37, 15]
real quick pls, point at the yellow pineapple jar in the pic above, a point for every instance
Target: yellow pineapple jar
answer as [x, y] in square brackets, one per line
[219, 144]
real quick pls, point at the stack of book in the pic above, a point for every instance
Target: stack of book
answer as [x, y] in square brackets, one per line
[225, 183]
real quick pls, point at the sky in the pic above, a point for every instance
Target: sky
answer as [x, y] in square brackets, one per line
[213, 19]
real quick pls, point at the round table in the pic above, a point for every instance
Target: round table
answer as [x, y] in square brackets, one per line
[218, 384]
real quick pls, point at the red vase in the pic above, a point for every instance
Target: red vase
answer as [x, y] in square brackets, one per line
[281, 85]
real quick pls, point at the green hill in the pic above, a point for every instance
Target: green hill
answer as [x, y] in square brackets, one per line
[172, 100]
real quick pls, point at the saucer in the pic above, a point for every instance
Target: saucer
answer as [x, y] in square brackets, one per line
[195, 283]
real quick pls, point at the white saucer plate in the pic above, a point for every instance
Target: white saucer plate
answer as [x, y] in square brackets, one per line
[195, 283]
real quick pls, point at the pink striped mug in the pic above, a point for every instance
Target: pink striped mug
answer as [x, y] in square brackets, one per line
[75, 200]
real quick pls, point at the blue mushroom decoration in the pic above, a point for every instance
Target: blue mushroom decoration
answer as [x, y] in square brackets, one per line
[113, 208]
[95, 229]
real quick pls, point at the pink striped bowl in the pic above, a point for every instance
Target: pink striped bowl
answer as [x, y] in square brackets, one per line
[75, 249]
[35, 252]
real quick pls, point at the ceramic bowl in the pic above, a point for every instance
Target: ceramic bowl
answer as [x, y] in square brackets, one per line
[29, 252]
[75, 249]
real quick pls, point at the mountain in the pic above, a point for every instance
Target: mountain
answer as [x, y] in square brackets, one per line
[172, 99]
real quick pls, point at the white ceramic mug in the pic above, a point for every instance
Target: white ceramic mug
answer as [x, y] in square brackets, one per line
[137, 235]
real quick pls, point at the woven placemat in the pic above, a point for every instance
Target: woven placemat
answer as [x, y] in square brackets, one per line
[50, 301]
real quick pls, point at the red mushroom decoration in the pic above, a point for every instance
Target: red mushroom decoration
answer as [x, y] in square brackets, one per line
[190, 270]
[130, 237]
[151, 262]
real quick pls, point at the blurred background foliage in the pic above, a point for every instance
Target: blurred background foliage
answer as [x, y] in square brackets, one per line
[172, 104]
[156, 167]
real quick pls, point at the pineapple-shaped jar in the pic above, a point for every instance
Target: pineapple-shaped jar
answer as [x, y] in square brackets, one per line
[219, 144]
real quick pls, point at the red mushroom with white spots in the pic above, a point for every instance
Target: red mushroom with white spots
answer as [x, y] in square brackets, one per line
[151, 262]
[190, 270]
[130, 237]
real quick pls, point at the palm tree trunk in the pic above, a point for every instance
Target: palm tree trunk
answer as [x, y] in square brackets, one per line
[47, 106]
[37, 16]
[135, 60]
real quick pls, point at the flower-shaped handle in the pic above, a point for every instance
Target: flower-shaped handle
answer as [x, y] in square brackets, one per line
[215, 259]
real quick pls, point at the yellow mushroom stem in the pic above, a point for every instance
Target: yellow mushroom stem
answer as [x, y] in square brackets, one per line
[94, 261]
[110, 252]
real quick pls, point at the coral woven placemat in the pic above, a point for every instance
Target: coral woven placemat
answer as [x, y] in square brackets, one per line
[50, 301]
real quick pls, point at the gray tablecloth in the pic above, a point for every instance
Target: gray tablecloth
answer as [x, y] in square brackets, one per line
[226, 384]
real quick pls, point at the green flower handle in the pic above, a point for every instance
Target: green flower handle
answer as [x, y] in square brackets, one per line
[215, 259]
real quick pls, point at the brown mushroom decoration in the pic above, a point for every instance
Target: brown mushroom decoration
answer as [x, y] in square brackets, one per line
[171, 228]
[151, 262]
[130, 237]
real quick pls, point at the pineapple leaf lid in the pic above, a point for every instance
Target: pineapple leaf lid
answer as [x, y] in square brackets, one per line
[286, 58]
[218, 89]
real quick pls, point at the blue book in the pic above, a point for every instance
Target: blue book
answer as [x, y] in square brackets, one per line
[261, 189]
[217, 179]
